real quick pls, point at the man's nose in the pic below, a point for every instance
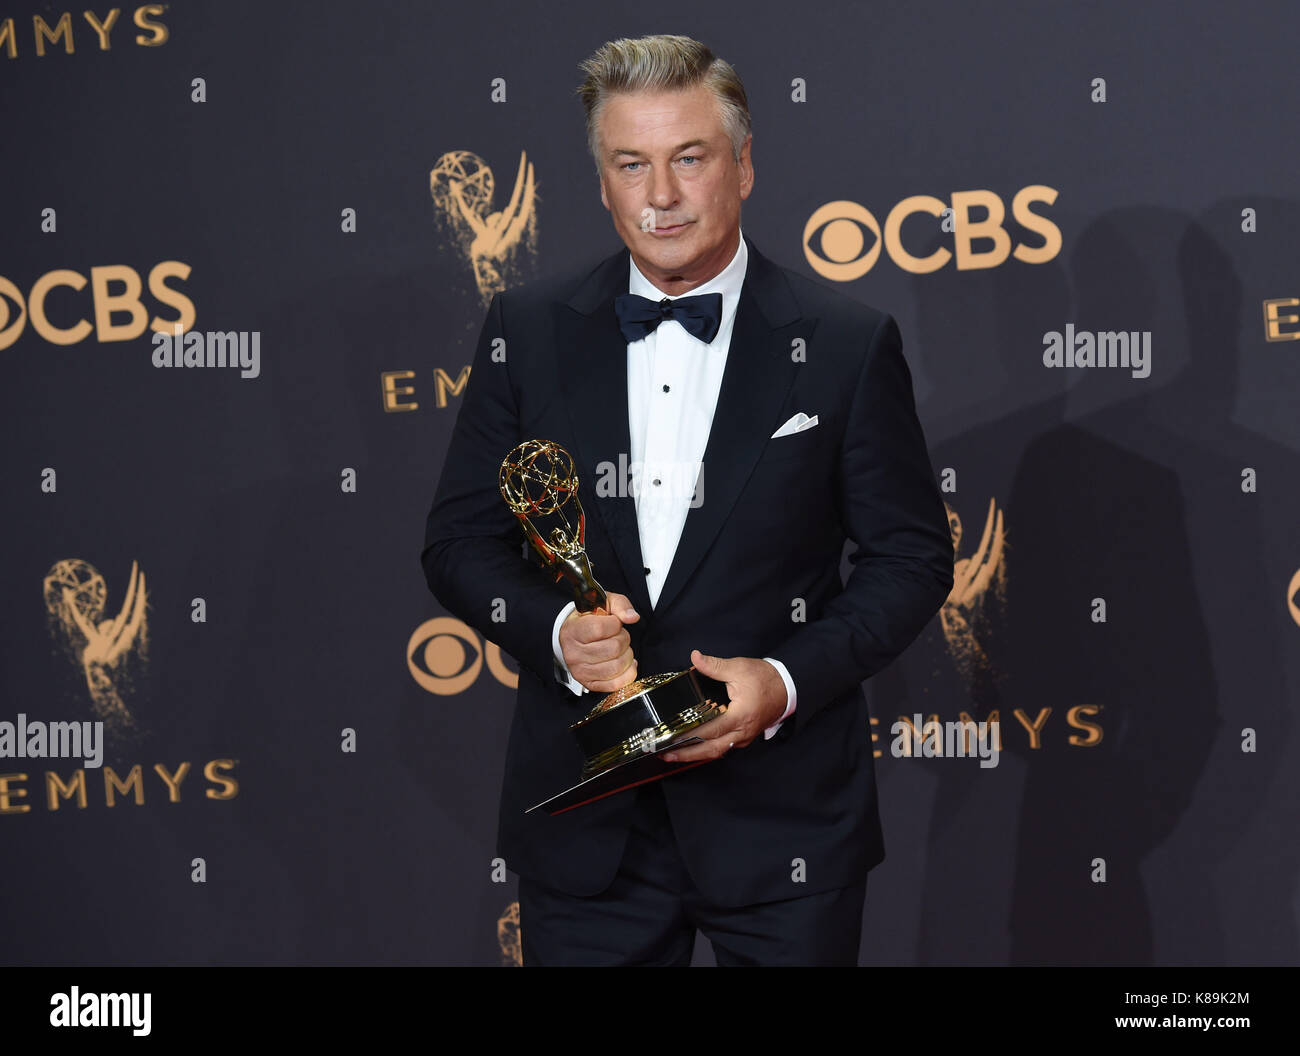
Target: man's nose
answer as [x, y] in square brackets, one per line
[663, 188]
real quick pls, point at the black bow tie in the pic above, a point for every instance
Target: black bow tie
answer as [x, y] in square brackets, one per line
[700, 316]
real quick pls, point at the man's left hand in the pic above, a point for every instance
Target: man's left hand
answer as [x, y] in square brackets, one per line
[758, 699]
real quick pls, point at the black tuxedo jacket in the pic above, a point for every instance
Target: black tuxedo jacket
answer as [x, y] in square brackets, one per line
[756, 572]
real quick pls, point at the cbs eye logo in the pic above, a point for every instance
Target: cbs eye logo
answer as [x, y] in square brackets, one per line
[444, 656]
[842, 240]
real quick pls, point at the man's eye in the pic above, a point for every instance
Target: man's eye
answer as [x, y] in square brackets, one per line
[629, 165]
[691, 157]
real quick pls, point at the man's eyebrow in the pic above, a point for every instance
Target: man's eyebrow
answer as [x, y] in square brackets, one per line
[680, 147]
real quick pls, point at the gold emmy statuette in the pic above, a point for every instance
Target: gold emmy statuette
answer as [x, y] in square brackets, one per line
[538, 481]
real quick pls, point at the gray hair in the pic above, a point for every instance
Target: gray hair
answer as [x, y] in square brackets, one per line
[656, 64]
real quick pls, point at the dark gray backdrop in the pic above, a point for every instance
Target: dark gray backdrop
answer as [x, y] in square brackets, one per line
[228, 489]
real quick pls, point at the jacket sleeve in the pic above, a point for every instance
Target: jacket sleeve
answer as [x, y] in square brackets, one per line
[891, 508]
[473, 554]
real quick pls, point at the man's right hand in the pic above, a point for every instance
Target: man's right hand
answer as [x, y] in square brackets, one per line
[597, 650]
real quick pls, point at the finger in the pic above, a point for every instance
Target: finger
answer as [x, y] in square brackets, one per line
[603, 671]
[599, 652]
[591, 627]
[712, 666]
[621, 606]
[717, 728]
[702, 752]
[609, 685]
[594, 627]
[606, 670]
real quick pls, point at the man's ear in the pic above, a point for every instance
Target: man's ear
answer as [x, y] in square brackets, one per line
[603, 199]
[746, 169]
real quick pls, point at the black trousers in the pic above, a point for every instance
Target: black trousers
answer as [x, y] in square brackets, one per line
[650, 913]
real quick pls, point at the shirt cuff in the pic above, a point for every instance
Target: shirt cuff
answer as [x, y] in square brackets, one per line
[790, 697]
[561, 671]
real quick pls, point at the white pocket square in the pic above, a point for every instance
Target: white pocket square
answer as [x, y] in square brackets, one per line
[797, 424]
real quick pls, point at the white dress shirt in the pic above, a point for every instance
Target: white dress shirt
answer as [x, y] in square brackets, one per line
[673, 380]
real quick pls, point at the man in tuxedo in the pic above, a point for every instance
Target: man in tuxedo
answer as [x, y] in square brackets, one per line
[690, 348]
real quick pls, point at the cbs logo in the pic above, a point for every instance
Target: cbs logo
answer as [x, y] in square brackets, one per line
[842, 240]
[444, 656]
[114, 291]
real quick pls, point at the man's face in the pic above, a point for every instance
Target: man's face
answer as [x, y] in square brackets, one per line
[670, 183]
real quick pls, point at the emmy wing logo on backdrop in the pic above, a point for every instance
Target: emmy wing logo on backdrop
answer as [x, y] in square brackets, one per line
[109, 652]
[977, 580]
[462, 187]
[512, 951]
[102, 648]
[494, 246]
[968, 619]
